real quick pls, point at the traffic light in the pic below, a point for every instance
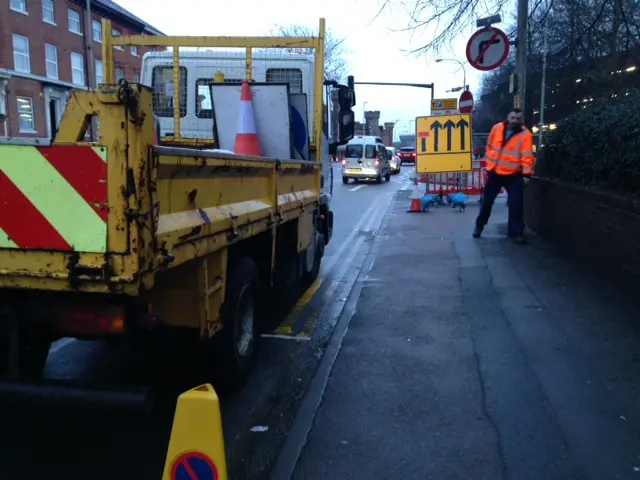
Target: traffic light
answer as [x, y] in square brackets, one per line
[346, 100]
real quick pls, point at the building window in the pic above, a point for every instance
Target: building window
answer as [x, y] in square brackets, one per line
[21, 60]
[3, 98]
[119, 73]
[74, 22]
[48, 15]
[51, 60]
[97, 31]
[77, 69]
[136, 77]
[116, 33]
[25, 115]
[99, 74]
[19, 6]
[134, 50]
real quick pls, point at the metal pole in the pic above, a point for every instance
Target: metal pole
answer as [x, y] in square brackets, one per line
[543, 83]
[521, 54]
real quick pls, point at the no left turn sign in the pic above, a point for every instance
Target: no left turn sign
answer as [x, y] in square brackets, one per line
[487, 49]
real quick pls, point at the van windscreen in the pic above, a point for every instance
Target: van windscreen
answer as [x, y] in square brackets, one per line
[355, 151]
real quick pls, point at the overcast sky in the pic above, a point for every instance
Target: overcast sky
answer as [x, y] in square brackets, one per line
[377, 50]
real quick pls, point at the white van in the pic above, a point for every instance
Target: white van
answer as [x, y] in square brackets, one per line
[197, 70]
[365, 158]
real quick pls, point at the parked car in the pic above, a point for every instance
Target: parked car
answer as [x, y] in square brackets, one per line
[394, 160]
[407, 154]
[366, 158]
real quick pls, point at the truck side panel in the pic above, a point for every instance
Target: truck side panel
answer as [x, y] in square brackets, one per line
[208, 200]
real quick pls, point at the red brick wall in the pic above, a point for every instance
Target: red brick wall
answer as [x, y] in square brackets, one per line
[40, 32]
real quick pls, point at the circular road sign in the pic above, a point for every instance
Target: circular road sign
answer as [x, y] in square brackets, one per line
[465, 104]
[487, 49]
[193, 466]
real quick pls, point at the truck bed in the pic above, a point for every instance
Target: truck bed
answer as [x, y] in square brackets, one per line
[105, 218]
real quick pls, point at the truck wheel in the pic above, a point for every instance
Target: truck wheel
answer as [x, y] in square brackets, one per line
[240, 313]
[312, 260]
[345, 180]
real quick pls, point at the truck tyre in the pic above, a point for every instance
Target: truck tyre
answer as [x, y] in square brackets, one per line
[312, 260]
[345, 180]
[240, 314]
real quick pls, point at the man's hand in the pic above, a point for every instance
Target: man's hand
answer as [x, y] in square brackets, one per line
[526, 181]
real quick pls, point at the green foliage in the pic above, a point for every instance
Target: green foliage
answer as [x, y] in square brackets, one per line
[598, 146]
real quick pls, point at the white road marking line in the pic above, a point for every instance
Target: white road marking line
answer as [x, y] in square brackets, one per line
[327, 266]
[356, 188]
[376, 220]
[286, 337]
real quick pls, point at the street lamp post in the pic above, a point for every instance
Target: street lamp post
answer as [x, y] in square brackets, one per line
[464, 70]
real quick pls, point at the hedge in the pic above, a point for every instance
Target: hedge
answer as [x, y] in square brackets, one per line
[598, 146]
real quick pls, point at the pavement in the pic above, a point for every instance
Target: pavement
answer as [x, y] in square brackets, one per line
[468, 358]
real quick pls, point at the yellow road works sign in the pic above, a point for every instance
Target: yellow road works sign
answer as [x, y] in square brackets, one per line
[443, 144]
[196, 447]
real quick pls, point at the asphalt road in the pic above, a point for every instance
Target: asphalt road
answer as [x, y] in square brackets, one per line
[39, 442]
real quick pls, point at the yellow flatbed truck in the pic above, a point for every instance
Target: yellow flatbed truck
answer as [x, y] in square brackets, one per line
[124, 238]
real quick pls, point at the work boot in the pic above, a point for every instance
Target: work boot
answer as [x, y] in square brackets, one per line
[518, 239]
[477, 232]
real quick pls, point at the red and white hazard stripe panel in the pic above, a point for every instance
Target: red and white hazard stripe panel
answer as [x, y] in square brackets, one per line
[53, 198]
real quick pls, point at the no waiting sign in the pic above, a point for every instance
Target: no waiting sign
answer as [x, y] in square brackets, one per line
[487, 49]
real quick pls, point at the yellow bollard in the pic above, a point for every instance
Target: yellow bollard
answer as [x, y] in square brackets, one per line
[196, 446]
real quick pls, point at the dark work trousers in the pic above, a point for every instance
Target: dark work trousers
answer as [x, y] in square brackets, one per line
[514, 185]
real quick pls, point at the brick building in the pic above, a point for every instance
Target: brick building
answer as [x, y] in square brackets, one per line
[45, 47]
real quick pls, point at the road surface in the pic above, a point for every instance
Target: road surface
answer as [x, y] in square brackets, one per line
[419, 353]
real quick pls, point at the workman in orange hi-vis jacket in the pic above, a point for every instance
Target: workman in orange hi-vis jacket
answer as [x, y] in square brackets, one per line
[509, 165]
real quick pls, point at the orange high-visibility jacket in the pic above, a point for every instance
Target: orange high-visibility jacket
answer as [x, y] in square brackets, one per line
[506, 158]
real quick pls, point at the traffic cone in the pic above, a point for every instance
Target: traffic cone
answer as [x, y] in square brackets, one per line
[415, 206]
[247, 142]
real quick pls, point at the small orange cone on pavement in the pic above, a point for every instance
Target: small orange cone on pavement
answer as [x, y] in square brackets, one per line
[415, 198]
[247, 142]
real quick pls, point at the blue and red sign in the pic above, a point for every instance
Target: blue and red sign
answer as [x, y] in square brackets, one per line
[193, 466]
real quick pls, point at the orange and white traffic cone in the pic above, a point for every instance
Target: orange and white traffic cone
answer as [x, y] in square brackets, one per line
[415, 197]
[247, 142]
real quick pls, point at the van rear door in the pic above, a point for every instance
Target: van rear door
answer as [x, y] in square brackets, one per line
[359, 156]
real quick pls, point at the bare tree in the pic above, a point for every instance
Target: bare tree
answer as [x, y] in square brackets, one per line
[335, 62]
